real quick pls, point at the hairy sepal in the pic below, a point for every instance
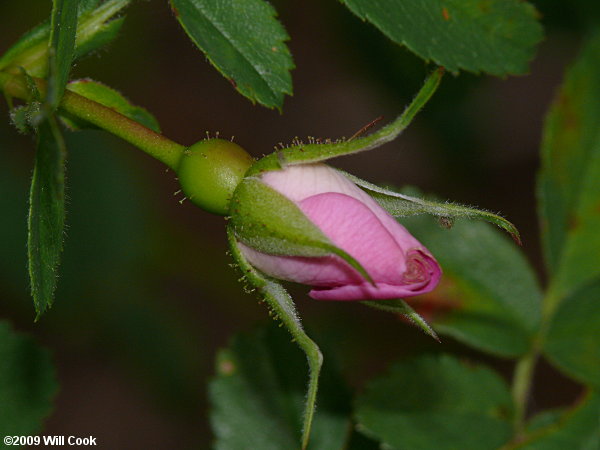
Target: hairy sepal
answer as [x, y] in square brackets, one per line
[402, 205]
[301, 153]
[269, 222]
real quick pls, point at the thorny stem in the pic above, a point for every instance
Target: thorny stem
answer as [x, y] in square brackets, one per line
[154, 144]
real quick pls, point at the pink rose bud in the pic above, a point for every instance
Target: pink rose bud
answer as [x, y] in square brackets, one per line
[399, 265]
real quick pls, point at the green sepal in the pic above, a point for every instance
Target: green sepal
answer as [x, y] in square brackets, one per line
[96, 27]
[281, 307]
[269, 222]
[401, 205]
[301, 153]
[399, 306]
[107, 96]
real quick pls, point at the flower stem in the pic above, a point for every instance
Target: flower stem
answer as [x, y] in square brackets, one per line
[154, 144]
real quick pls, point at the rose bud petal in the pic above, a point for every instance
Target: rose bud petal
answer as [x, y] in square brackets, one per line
[398, 264]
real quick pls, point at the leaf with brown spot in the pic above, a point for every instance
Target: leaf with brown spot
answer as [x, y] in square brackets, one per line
[568, 180]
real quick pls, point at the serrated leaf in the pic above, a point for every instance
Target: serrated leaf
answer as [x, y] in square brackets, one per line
[244, 41]
[257, 396]
[96, 28]
[314, 152]
[63, 28]
[573, 340]
[107, 96]
[401, 205]
[46, 213]
[493, 36]
[568, 180]
[269, 222]
[282, 306]
[488, 296]
[436, 402]
[27, 384]
[577, 429]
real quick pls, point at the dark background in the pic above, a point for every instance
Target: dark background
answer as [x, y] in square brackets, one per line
[146, 295]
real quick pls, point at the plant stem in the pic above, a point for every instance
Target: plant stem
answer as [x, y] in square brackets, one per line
[154, 144]
[525, 366]
[521, 386]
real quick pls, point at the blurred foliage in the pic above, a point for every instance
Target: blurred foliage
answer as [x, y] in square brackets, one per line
[489, 296]
[579, 428]
[145, 284]
[436, 402]
[258, 395]
[27, 383]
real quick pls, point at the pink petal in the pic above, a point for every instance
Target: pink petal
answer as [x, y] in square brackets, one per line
[302, 181]
[352, 226]
[353, 221]
[428, 270]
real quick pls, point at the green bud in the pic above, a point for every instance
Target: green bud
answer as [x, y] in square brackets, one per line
[210, 170]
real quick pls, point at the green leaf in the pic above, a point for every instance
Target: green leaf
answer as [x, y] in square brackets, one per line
[493, 36]
[27, 384]
[577, 429]
[282, 307]
[399, 306]
[568, 180]
[98, 37]
[573, 341]
[95, 29]
[313, 152]
[111, 98]
[34, 39]
[258, 396]
[436, 402]
[63, 27]
[401, 205]
[545, 419]
[244, 41]
[269, 222]
[99, 26]
[46, 213]
[488, 297]
[359, 441]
